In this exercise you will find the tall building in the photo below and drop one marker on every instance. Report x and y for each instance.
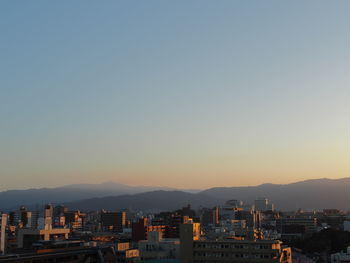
(252, 218)
(29, 219)
(139, 230)
(189, 233)
(12, 218)
(48, 212)
(23, 216)
(113, 221)
(3, 237)
(73, 219)
(210, 217)
(48, 216)
(172, 221)
(59, 210)
(34, 219)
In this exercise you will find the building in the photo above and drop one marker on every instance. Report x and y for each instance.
(125, 254)
(193, 249)
(24, 218)
(156, 248)
(141, 228)
(128, 256)
(113, 221)
(210, 217)
(3, 234)
(75, 220)
(291, 228)
(189, 233)
(26, 237)
(253, 218)
(48, 216)
(60, 221)
(59, 210)
(334, 218)
(24, 214)
(172, 222)
(33, 217)
(341, 257)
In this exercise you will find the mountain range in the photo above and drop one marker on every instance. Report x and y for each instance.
(14, 198)
(309, 194)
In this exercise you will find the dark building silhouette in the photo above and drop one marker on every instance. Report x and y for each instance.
(172, 221)
(141, 229)
(113, 221)
(210, 216)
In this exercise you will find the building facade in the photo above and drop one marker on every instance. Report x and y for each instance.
(193, 249)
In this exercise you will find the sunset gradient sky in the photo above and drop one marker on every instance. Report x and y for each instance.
(188, 94)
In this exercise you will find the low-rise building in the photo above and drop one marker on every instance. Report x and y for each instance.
(293, 228)
(158, 248)
(26, 236)
(193, 249)
(125, 254)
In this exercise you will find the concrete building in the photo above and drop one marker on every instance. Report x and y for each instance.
(26, 237)
(227, 212)
(33, 223)
(75, 220)
(113, 221)
(189, 233)
(128, 256)
(252, 218)
(48, 215)
(24, 218)
(210, 216)
(125, 254)
(59, 210)
(193, 249)
(156, 247)
(3, 236)
(172, 221)
(291, 228)
(341, 257)
(141, 228)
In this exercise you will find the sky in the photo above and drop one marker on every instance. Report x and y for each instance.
(187, 94)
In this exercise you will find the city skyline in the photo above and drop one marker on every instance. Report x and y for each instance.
(181, 94)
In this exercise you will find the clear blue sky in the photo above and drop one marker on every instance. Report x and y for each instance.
(178, 93)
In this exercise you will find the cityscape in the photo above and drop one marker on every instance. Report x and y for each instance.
(233, 231)
(183, 131)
